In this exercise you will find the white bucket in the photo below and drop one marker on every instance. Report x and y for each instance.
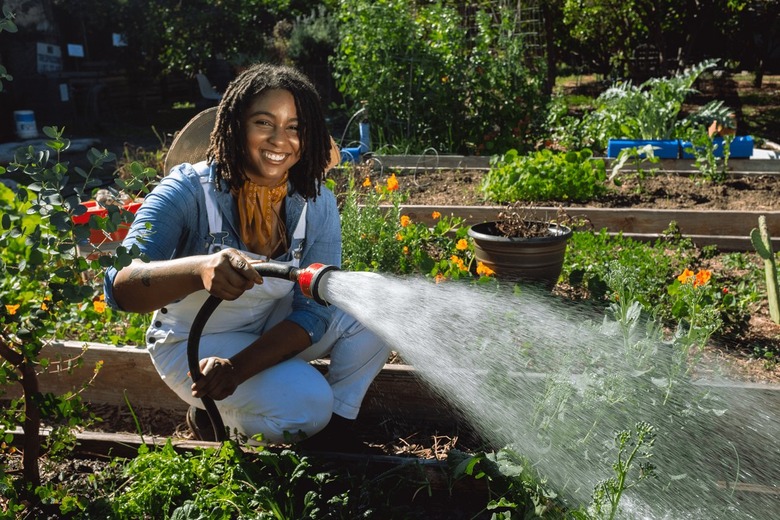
(25, 124)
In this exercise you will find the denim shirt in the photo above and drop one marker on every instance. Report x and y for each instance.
(173, 223)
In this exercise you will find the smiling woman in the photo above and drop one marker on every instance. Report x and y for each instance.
(257, 197)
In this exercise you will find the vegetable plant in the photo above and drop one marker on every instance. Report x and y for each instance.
(545, 175)
(651, 110)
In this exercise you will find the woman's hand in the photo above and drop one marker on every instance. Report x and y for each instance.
(228, 273)
(219, 379)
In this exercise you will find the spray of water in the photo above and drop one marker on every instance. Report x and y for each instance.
(555, 382)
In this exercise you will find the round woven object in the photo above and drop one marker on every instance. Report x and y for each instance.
(191, 142)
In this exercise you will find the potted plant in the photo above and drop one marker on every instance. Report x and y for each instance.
(520, 247)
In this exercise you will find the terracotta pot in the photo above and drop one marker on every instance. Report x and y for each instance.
(536, 259)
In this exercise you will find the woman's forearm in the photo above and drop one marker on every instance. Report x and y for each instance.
(280, 343)
(148, 286)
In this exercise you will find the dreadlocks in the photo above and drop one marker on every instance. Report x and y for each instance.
(227, 148)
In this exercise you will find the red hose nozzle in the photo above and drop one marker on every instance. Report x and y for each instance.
(310, 278)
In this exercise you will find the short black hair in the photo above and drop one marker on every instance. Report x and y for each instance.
(227, 148)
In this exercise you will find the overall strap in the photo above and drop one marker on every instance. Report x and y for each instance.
(217, 237)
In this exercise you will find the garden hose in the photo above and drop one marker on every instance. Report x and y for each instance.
(310, 281)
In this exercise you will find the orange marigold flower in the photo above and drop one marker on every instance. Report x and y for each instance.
(440, 278)
(44, 305)
(406, 250)
(462, 244)
(436, 215)
(12, 309)
(405, 220)
(702, 277)
(685, 276)
(459, 262)
(367, 182)
(399, 237)
(484, 270)
(99, 304)
(392, 183)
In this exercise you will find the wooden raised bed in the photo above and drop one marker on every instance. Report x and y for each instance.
(397, 391)
(728, 230)
(127, 372)
(737, 167)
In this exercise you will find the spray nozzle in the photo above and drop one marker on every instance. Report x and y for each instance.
(309, 279)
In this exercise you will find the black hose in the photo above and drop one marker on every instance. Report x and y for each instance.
(270, 269)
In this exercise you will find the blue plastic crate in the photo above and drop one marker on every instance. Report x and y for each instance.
(663, 148)
(741, 147)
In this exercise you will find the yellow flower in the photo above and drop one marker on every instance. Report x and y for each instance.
(686, 274)
(484, 270)
(462, 244)
(399, 237)
(44, 306)
(367, 182)
(436, 215)
(405, 220)
(406, 250)
(455, 259)
(392, 183)
(99, 304)
(12, 309)
(702, 277)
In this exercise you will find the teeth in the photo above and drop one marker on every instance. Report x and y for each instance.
(275, 156)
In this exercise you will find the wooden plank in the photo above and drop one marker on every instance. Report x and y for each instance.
(729, 230)
(737, 167)
(127, 370)
(397, 391)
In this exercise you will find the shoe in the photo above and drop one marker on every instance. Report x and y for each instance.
(199, 423)
(339, 436)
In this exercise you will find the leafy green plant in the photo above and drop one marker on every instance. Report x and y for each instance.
(435, 78)
(220, 483)
(637, 156)
(545, 175)
(43, 283)
(633, 460)
(651, 110)
(704, 147)
(377, 236)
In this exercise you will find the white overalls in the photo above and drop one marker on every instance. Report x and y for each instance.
(289, 397)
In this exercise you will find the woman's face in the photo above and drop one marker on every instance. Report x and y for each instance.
(272, 141)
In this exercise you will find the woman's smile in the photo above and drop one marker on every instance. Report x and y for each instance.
(272, 140)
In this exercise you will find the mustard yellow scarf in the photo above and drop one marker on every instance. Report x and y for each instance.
(259, 210)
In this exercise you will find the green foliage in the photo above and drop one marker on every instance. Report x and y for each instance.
(651, 110)
(376, 236)
(606, 34)
(704, 147)
(634, 452)
(637, 156)
(513, 483)
(221, 484)
(45, 284)
(432, 78)
(762, 242)
(545, 175)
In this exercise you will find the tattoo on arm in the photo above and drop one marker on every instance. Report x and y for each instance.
(142, 274)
